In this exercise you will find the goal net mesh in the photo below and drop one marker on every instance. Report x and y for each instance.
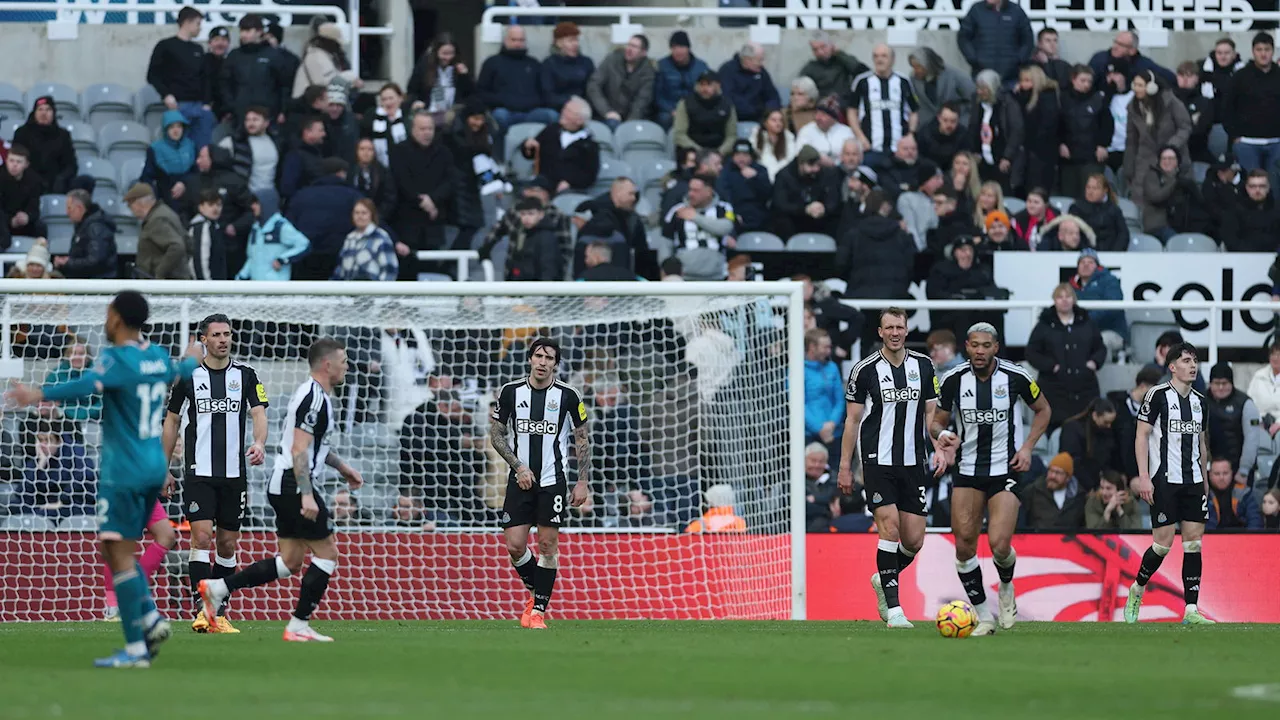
(687, 399)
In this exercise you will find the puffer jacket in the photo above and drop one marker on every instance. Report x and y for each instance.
(1059, 353)
(93, 247)
(1111, 233)
(275, 239)
(882, 259)
(563, 77)
(999, 39)
(1103, 285)
(673, 82)
(823, 397)
(1143, 142)
(1086, 125)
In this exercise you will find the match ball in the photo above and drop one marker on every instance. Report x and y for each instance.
(957, 619)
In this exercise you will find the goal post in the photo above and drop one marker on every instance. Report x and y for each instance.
(695, 393)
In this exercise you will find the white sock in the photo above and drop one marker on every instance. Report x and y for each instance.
(150, 619)
(984, 610)
(296, 625)
(1191, 608)
(227, 562)
(136, 648)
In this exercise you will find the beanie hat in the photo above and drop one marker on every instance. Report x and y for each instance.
(330, 31)
(831, 106)
(1063, 462)
(39, 254)
(337, 93)
(1222, 371)
(808, 154)
(679, 38)
(994, 216)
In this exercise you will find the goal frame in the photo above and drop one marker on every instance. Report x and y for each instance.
(793, 291)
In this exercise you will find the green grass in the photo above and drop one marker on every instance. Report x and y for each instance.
(646, 670)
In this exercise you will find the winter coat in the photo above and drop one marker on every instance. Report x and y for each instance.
(706, 124)
(1143, 142)
(563, 77)
(1251, 226)
(535, 254)
(999, 39)
(750, 198)
(823, 397)
(1126, 517)
(164, 248)
(578, 164)
(18, 196)
(341, 136)
(950, 85)
(465, 148)
(1042, 511)
(368, 255)
(1007, 130)
(1040, 124)
(1103, 285)
(237, 201)
(949, 281)
(53, 157)
(93, 247)
(1072, 385)
(300, 168)
(319, 67)
(1129, 67)
(421, 84)
(511, 80)
(752, 94)
(1252, 103)
(1217, 80)
(255, 75)
(322, 212)
(835, 75)
(419, 170)
(607, 220)
(1244, 504)
(1090, 460)
(169, 163)
(1220, 200)
(1086, 125)
(69, 478)
(375, 183)
(673, 82)
(615, 89)
(792, 192)
(1111, 232)
(1030, 229)
(1200, 110)
(951, 228)
(1173, 201)
(275, 239)
(208, 249)
(939, 148)
(882, 259)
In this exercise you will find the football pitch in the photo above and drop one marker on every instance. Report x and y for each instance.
(649, 670)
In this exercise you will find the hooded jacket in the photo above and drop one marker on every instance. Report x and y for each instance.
(511, 80)
(169, 162)
(1103, 285)
(275, 239)
(93, 247)
(1049, 235)
(53, 157)
(823, 396)
(1252, 103)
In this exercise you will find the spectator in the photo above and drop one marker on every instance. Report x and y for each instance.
(804, 104)
(881, 253)
(903, 172)
(1173, 202)
(640, 512)
(37, 265)
(566, 152)
(180, 74)
(1221, 192)
(1066, 350)
(1126, 60)
(59, 480)
(1042, 117)
(510, 84)
(441, 80)
(208, 250)
(1217, 70)
(1028, 223)
(1047, 57)
(367, 253)
(50, 154)
(1094, 282)
(826, 133)
(1271, 510)
(996, 35)
(1264, 391)
(1197, 98)
(1055, 502)
(672, 270)
(774, 144)
(936, 85)
(273, 35)
(1232, 505)
(255, 153)
(952, 226)
(426, 179)
(1250, 110)
(274, 245)
(341, 128)
(853, 194)
(1156, 119)
(942, 351)
(322, 212)
(471, 141)
(214, 58)
(842, 323)
(1110, 506)
(916, 205)
(535, 249)
(1235, 427)
(824, 404)
(1100, 212)
(1160, 361)
(93, 246)
(163, 243)
(255, 74)
(961, 277)
(347, 512)
(566, 70)
(19, 198)
(215, 173)
(701, 228)
(1127, 404)
(622, 88)
(1087, 128)
(996, 132)
(706, 119)
(720, 516)
(748, 85)
(832, 70)
(509, 224)
(614, 214)
(806, 196)
(990, 198)
(964, 180)
(1067, 233)
(171, 160)
(883, 107)
(1090, 439)
(676, 77)
(747, 187)
(1119, 95)
(373, 180)
(325, 63)
(75, 362)
(943, 137)
(1253, 225)
(600, 267)
(851, 157)
(387, 126)
(849, 514)
(999, 236)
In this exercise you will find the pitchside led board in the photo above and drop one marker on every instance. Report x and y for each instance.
(1152, 276)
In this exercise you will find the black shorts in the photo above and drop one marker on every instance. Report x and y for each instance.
(222, 500)
(992, 486)
(900, 485)
(290, 525)
(541, 506)
(1178, 503)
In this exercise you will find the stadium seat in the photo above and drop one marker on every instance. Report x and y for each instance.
(66, 100)
(1144, 243)
(1191, 242)
(1145, 326)
(84, 138)
(79, 523)
(149, 107)
(60, 231)
(650, 172)
(1062, 203)
(610, 168)
(745, 129)
(53, 205)
(102, 171)
(811, 242)
(8, 127)
(1014, 205)
(567, 203)
(122, 141)
(516, 135)
(604, 138)
(105, 103)
(110, 202)
(127, 241)
(760, 242)
(642, 137)
(21, 244)
(1132, 213)
(27, 523)
(131, 170)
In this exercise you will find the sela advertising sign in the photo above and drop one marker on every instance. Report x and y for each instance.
(918, 14)
(1151, 276)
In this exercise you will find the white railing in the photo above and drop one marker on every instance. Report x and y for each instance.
(69, 11)
(463, 258)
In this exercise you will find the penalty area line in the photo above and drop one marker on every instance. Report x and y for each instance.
(1267, 692)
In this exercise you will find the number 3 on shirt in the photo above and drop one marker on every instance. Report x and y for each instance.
(151, 410)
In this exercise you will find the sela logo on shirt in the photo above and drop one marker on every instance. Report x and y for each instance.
(217, 405)
(900, 394)
(536, 427)
(1184, 427)
(984, 417)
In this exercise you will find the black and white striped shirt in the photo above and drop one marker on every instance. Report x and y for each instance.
(884, 107)
(386, 133)
(310, 411)
(690, 234)
(893, 419)
(988, 416)
(214, 405)
(541, 422)
(1176, 426)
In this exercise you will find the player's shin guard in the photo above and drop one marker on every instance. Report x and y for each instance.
(199, 569)
(544, 581)
(1192, 567)
(314, 582)
(1006, 565)
(1151, 560)
(887, 565)
(224, 568)
(971, 580)
(905, 557)
(259, 573)
(526, 569)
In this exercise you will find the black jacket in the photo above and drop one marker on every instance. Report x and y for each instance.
(792, 192)
(578, 164)
(465, 146)
(607, 219)
(750, 198)
(53, 157)
(178, 68)
(376, 183)
(1090, 459)
(1107, 221)
(1201, 110)
(93, 247)
(950, 228)
(420, 83)
(535, 254)
(237, 201)
(511, 79)
(322, 212)
(1006, 125)
(19, 196)
(255, 75)
(939, 148)
(299, 168)
(1126, 432)
(1220, 199)
(213, 70)
(996, 38)
(1040, 136)
(419, 170)
(1252, 103)
(948, 281)
(1086, 125)
(1070, 386)
(708, 119)
(1252, 227)
(883, 255)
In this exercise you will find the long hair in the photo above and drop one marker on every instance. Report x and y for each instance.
(1106, 186)
(1097, 406)
(980, 215)
(432, 71)
(972, 183)
(762, 136)
(1040, 83)
(334, 48)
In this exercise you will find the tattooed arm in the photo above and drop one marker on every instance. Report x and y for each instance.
(582, 444)
(498, 438)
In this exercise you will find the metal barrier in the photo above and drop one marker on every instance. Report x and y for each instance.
(463, 258)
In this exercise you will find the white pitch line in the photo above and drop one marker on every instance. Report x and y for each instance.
(1268, 692)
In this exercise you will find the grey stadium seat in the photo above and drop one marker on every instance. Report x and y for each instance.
(106, 102)
(12, 102)
(21, 244)
(1191, 242)
(568, 202)
(103, 171)
(759, 242)
(110, 202)
(610, 168)
(649, 172)
(1062, 203)
(811, 242)
(1014, 205)
(53, 205)
(59, 235)
(641, 137)
(83, 137)
(127, 241)
(149, 107)
(746, 128)
(131, 170)
(1146, 325)
(8, 127)
(1144, 243)
(29, 523)
(65, 99)
(121, 141)
(1132, 213)
(79, 523)
(603, 136)
(516, 135)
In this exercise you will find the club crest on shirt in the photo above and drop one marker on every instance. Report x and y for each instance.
(913, 376)
(553, 405)
(1195, 406)
(234, 386)
(1001, 392)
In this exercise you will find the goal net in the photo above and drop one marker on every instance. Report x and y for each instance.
(689, 390)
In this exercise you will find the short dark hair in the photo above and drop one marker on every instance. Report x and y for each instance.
(20, 150)
(333, 166)
(1257, 173)
(210, 196)
(644, 41)
(1148, 376)
(322, 349)
(132, 308)
(1080, 69)
(1046, 31)
(940, 337)
(1225, 41)
(251, 22)
(391, 86)
(259, 110)
(1179, 350)
(308, 122)
(948, 193)
(1263, 38)
(894, 311)
(544, 342)
(203, 328)
(672, 266)
(1189, 69)
(313, 93)
(1275, 349)
(1168, 338)
(187, 14)
(706, 179)
(1219, 458)
(953, 106)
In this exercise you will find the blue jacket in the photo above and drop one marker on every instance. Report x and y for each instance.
(751, 93)
(998, 39)
(750, 198)
(511, 80)
(69, 478)
(823, 396)
(1103, 286)
(563, 77)
(322, 212)
(1102, 59)
(275, 239)
(1245, 505)
(673, 82)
